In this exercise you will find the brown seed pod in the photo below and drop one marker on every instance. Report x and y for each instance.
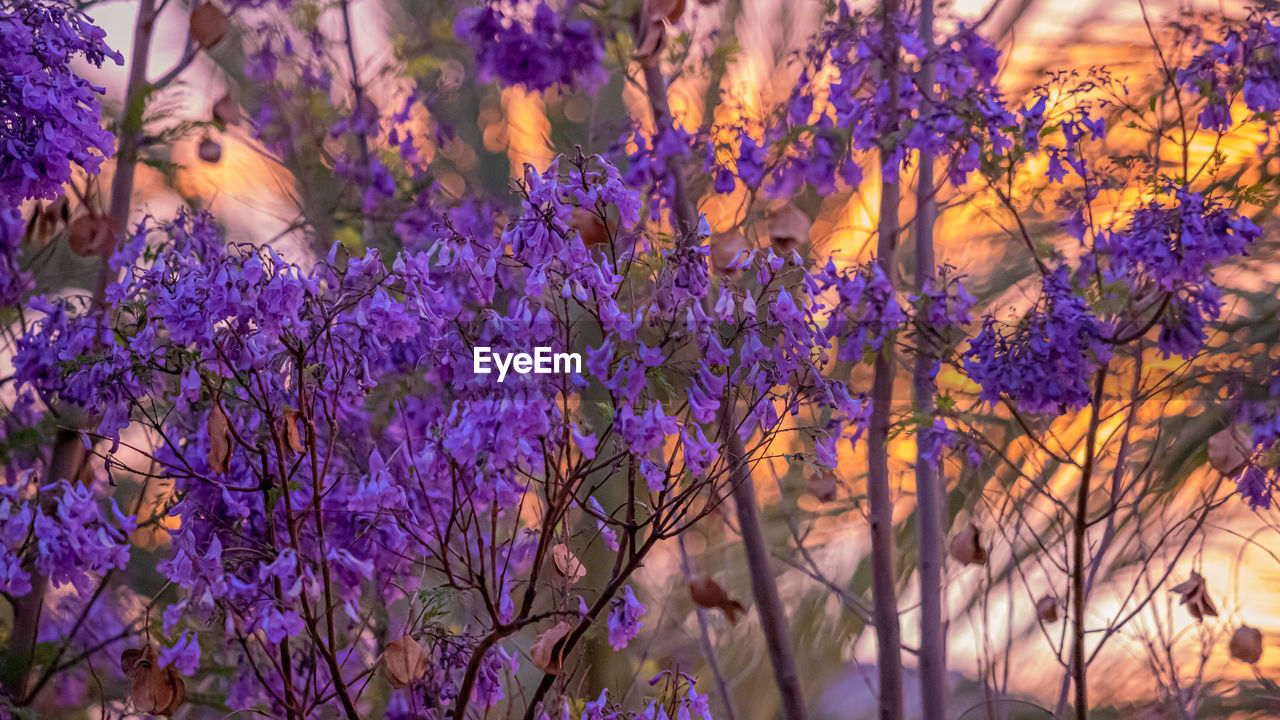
(208, 25)
(1229, 450)
(788, 228)
(567, 564)
(547, 651)
(291, 437)
(966, 546)
(824, 485)
(89, 235)
(589, 225)
(707, 593)
(1195, 595)
(405, 660)
(725, 247)
(1246, 644)
(660, 10)
(152, 689)
(210, 150)
(650, 42)
(226, 111)
(1047, 609)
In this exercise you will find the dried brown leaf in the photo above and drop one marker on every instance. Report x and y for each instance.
(1195, 595)
(707, 593)
(547, 651)
(208, 25)
(220, 446)
(89, 235)
(405, 660)
(566, 563)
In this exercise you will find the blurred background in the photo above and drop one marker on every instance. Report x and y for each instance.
(1004, 661)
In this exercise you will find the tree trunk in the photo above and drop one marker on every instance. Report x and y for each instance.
(879, 502)
(930, 482)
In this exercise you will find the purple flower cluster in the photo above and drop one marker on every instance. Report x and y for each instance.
(14, 281)
(528, 43)
(959, 115)
(865, 314)
(1174, 248)
(63, 523)
(49, 116)
(1046, 363)
(1260, 477)
(265, 384)
(624, 619)
(1245, 61)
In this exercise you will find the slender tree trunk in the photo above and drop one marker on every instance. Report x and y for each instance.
(930, 482)
(1079, 664)
(879, 501)
(764, 587)
(67, 455)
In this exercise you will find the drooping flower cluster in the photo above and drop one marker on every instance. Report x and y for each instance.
(64, 526)
(1046, 363)
(50, 117)
(528, 43)
(1258, 479)
(14, 281)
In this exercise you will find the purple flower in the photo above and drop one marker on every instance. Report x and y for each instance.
(184, 655)
(750, 161)
(624, 619)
